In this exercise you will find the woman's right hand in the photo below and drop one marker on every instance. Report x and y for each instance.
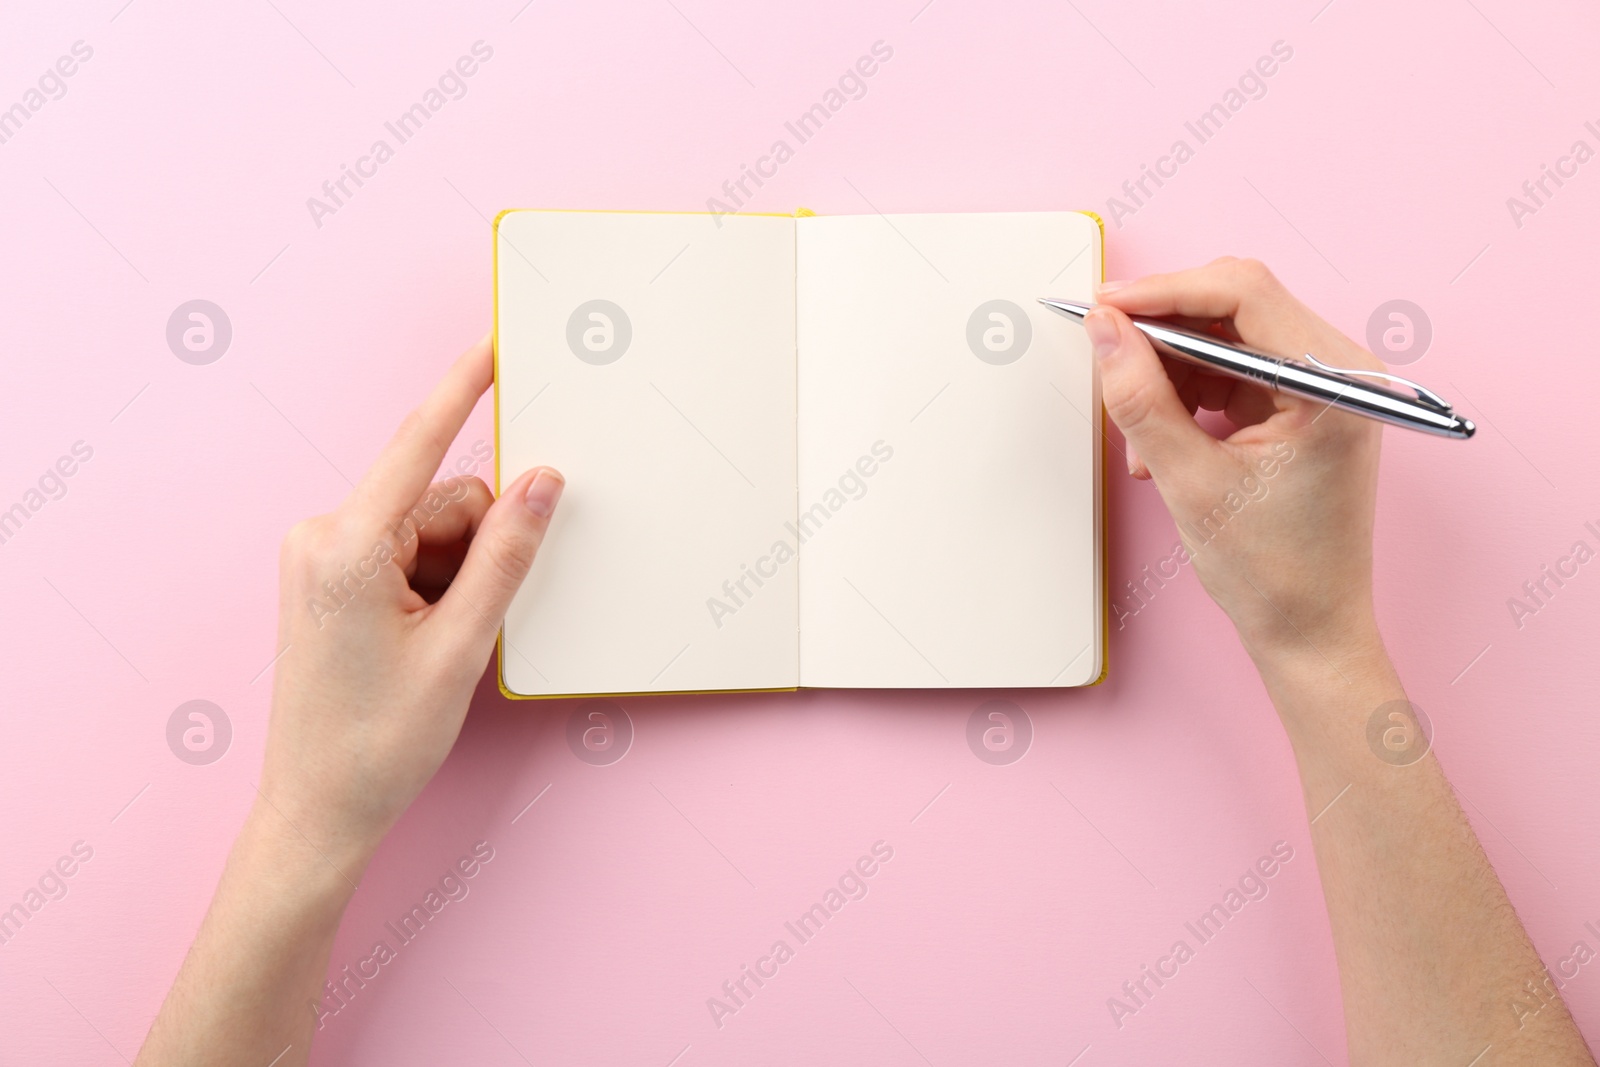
(1276, 517)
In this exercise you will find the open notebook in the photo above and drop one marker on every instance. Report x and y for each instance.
(847, 451)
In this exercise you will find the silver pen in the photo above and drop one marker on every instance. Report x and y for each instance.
(1313, 379)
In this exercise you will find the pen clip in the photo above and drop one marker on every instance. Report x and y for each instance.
(1424, 394)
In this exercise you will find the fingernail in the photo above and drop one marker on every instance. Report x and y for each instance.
(1111, 287)
(1104, 335)
(544, 491)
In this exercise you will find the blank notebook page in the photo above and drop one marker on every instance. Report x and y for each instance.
(970, 556)
(670, 409)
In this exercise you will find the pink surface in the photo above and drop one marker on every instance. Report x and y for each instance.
(177, 165)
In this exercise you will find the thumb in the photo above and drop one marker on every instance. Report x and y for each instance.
(501, 553)
(1140, 398)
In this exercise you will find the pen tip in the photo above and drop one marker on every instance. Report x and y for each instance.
(1070, 308)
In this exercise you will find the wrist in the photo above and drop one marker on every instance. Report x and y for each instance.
(1306, 644)
(1327, 693)
(337, 815)
(308, 869)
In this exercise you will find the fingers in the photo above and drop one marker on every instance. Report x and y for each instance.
(435, 567)
(1244, 403)
(1222, 328)
(1242, 292)
(501, 553)
(1248, 405)
(466, 501)
(448, 513)
(1205, 294)
(407, 464)
(1136, 465)
(1213, 391)
(1142, 400)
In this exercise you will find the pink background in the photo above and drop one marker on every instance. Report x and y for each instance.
(177, 166)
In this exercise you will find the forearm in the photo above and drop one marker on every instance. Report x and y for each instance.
(1432, 957)
(244, 992)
